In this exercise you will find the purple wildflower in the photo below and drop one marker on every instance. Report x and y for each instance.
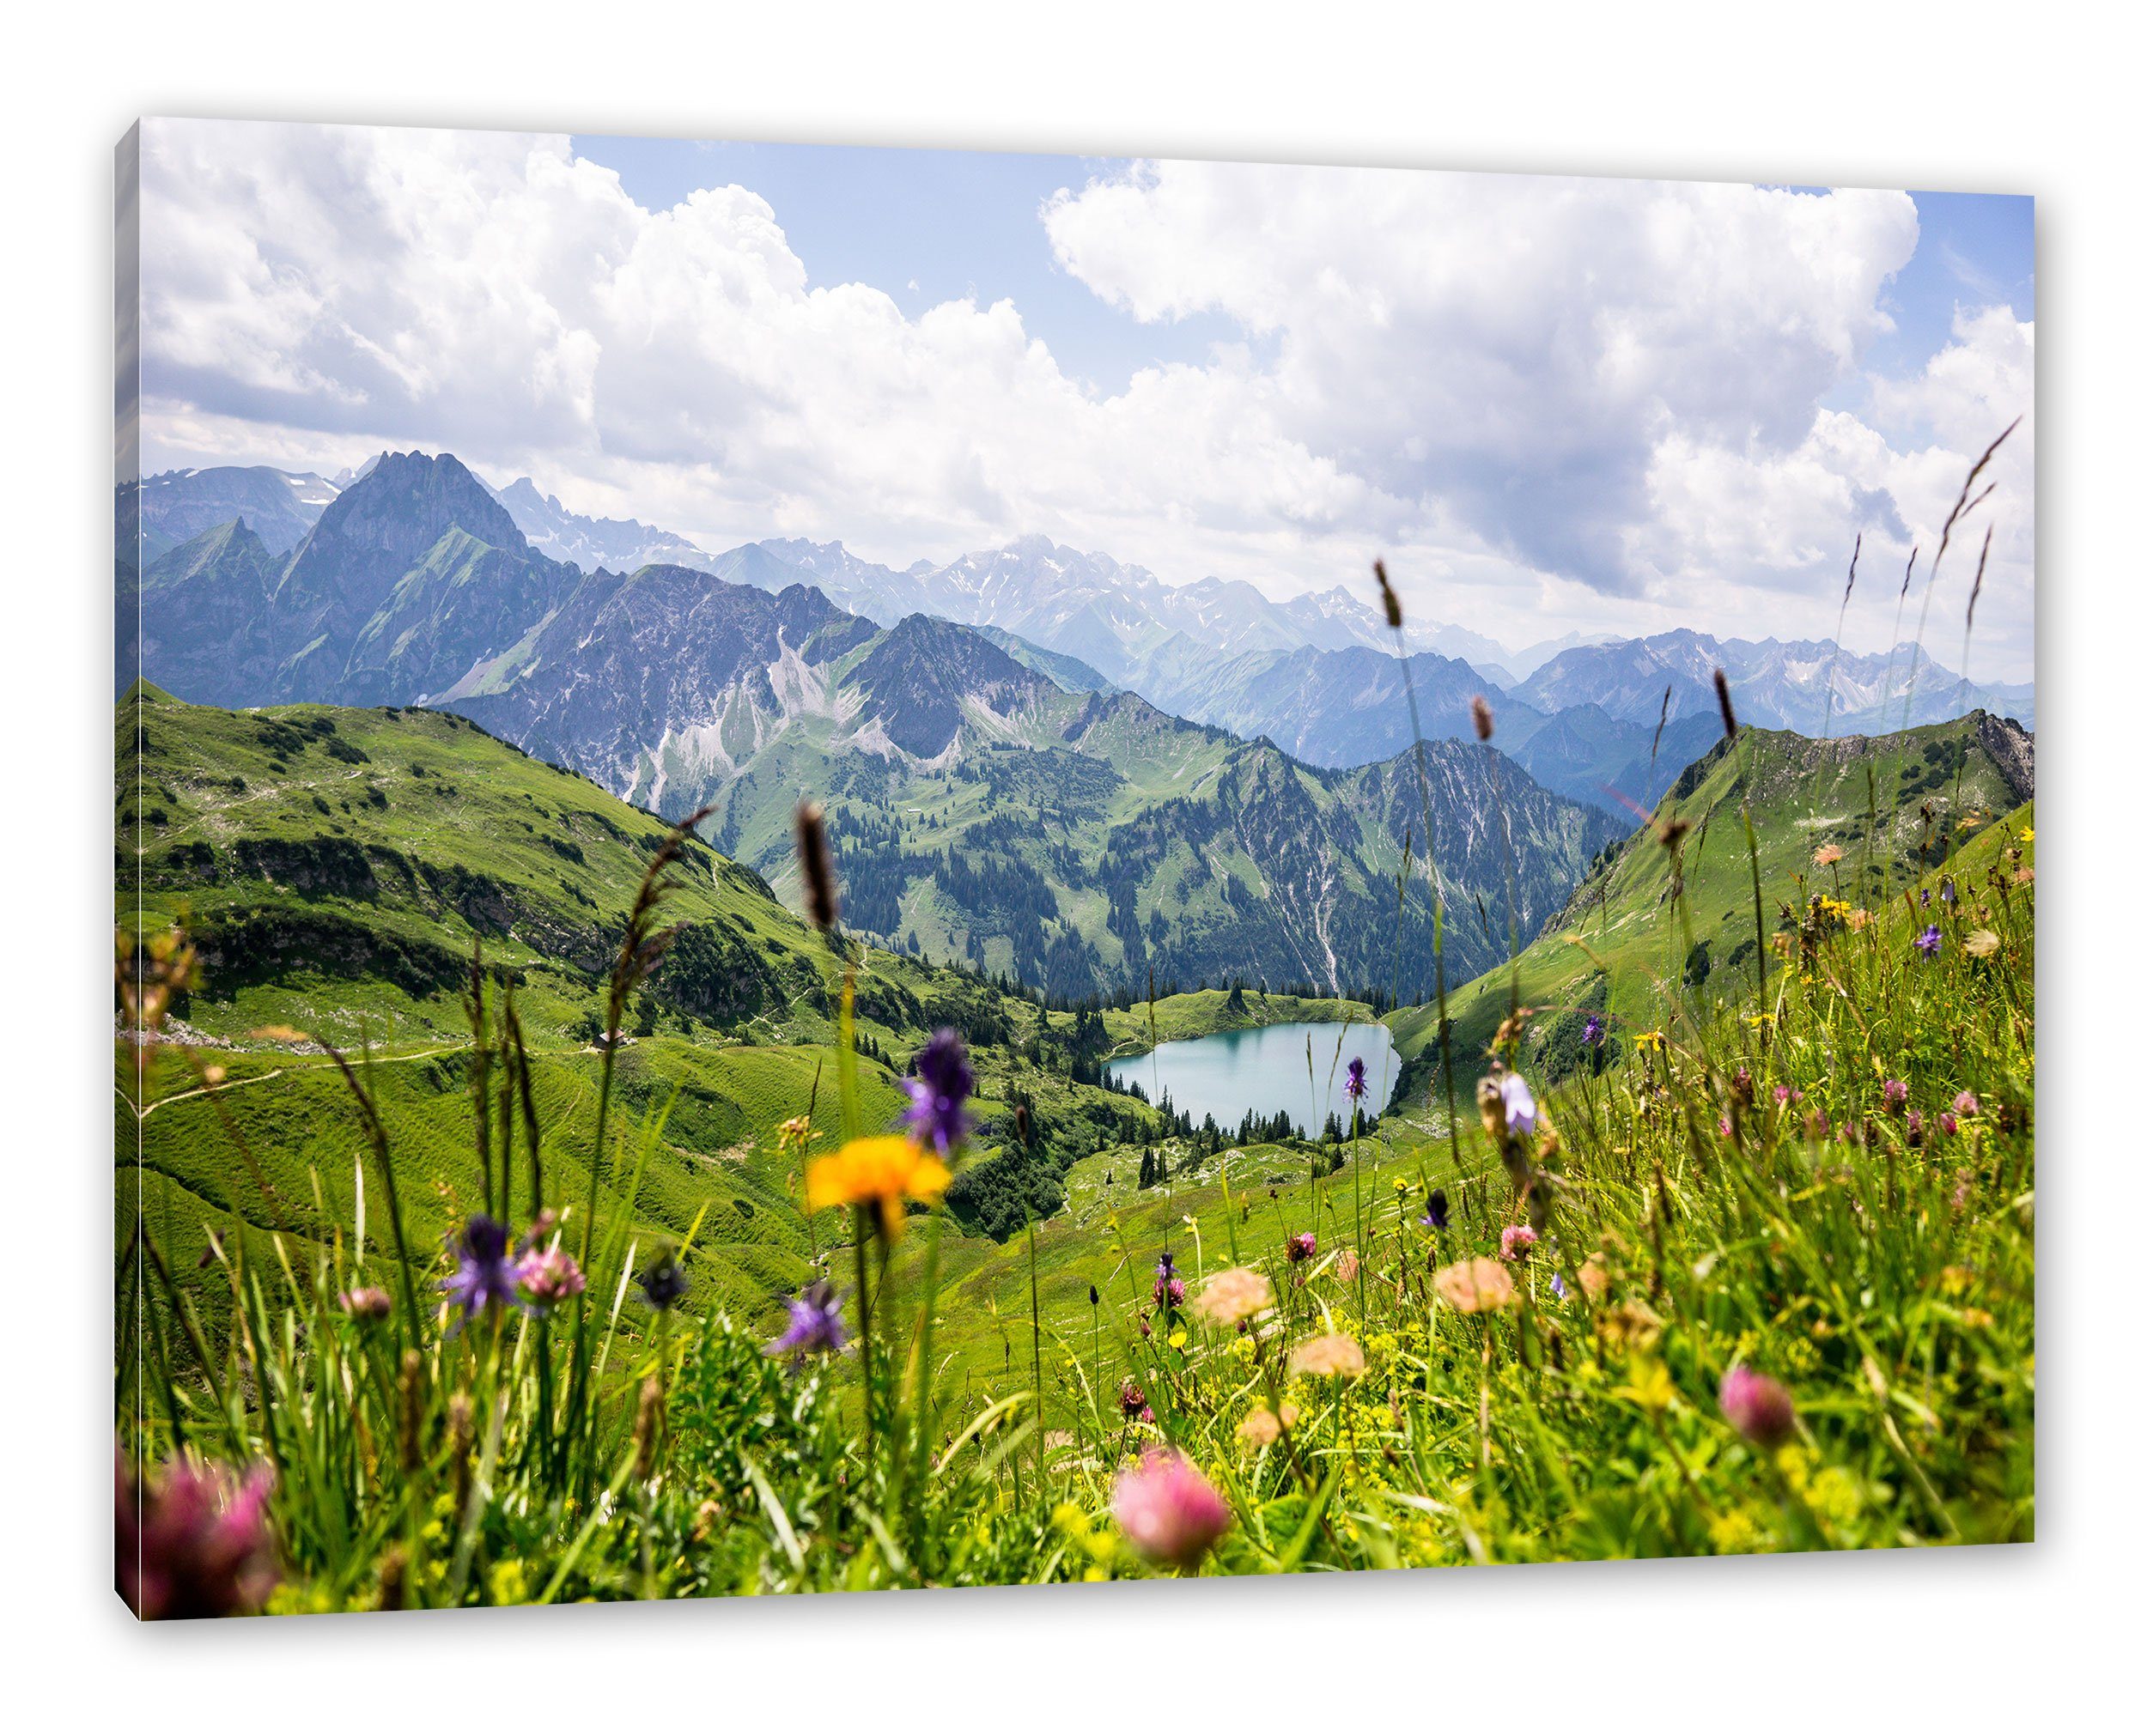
(943, 1084)
(1558, 1285)
(816, 1323)
(1435, 1218)
(1930, 941)
(1965, 1104)
(1520, 1105)
(1923, 898)
(1591, 1031)
(1947, 1124)
(1515, 1241)
(194, 1542)
(1301, 1247)
(1915, 1133)
(1355, 1085)
(1758, 1406)
(1945, 890)
(485, 1278)
(1897, 1094)
(665, 1282)
(1169, 1287)
(1132, 1401)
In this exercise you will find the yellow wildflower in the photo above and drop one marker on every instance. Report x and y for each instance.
(880, 1172)
(2027, 834)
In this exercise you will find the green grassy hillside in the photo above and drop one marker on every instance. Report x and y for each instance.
(1754, 1288)
(337, 867)
(1655, 928)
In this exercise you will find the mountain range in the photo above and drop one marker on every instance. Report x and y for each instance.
(1041, 759)
(1604, 721)
(986, 808)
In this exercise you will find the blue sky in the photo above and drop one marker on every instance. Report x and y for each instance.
(927, 226)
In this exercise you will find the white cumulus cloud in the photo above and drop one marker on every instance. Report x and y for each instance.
(1550, 402)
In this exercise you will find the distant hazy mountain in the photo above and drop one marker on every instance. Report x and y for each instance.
(622, 545)
(1069, 672)
(1776, 684)
(1329, 707)
(279, 506)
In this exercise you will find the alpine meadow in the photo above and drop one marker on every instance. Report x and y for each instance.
(1480, 1010)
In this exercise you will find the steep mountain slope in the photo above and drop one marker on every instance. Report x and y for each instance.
(205, 612)
(1654, 932)
(925, 676)
(411, 575)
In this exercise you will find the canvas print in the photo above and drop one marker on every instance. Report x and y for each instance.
(849, 868)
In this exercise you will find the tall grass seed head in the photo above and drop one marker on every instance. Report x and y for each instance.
(1729, 710)
(816, 867)
(1391, 603)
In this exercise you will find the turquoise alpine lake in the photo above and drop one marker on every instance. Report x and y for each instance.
(1264, 1071)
